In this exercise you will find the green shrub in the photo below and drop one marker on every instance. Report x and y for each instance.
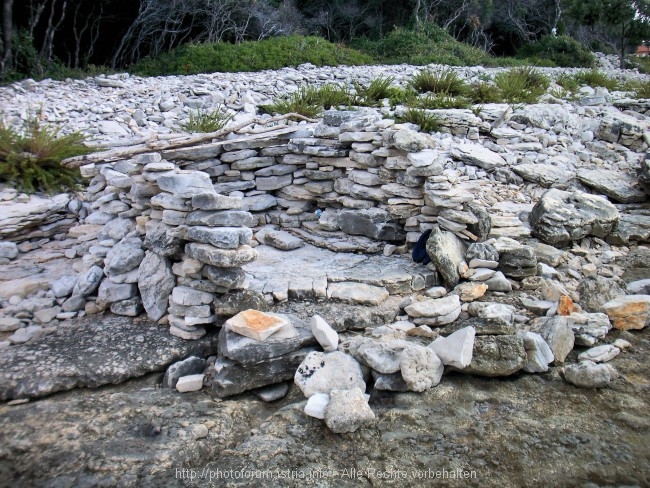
(522, 85)
(30, 157)
(641, 89)
(568, 82)
(273, 53)
(401, 96)
(301, 102)
(595, 78)
(206, 121)
(331, 95)
(563, 51)
(485, 92)
(377, 90)
(427, 122)
(446, 82)
(430, 44)
(441, 101)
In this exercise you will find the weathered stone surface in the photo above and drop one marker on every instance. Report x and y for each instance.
(186, 184)
(597, 290)
(221, 237)
(347, 410)
(359, 293)
(193, 382)
(259, 325)
(282, 240)
(123, 257)
(317, 405)
(222, 218)
(477, 155)
(382, 356)
(323, 372)
(497, 356)
(110, 350)
(222, 258)
(620, 127)
(215, 201)
(408, 140)
(588, 374)
(615, 184)
(247, 350)
(226, 278)
(447, 252)
(588, 328)
(600, 354)
(515, 260)
(437, 311)
(559, 336)
(161, 239)
(538, 353)
(110, 292)
(184, 295)
(546, 175)
(231, 377)
(629, 312)
(562, 216)
(237, 301)
(155, 282)
(88, 282)
(131, 307)
(420, 367)
(327, 337)
(374, 223)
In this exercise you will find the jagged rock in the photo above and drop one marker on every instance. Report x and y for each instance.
(615, 184)
(483, 225)
(600, 354)
(222, 218)
(456, 349)
(282, 240)
(437, 311)
(515, 260)
(374, 223)
(622, 128)
(347, 410)
(161, 239)
(546, 175)
(500, 355)
(559, 336)
(131, 307)
(88, 282)
(538, 353)
(123, 257)
(447, 253)
(221, 237)
(563, 216)
(237, 301)
(588, 374)
(644, 174)
(327, 337)
(63, 286)
(155, 282)
(223, 258)
(226, 278)
(477, 155)
(110, 292)
(629, 311)
(597, 290)
(482, 251)
(420, 367)
(588, 328)
(323, 372)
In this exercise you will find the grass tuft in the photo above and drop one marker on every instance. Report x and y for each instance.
(207, 121)
(522, 85)
(30, 157)
(446, 82)
(378, 89)
(426, 121)
(595, 78)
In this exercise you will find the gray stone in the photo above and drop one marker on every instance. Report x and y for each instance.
(272, 393)
(600, 354)
(316, 405)
(226, 278)
(237, 301)
(639, 287)
(183, 295)
(588, 328)
(615, 184)
(357, 293)
(447, 252)
(74, 304)
(408, 140)
(420, 368)
(477, 155)
(214, 201)
(155, 282)
(25, 334)
(436, 311)
(374, 223)
(63, 286)
(587, 374)
(246, 350)
(538, 353)
(88, 282)
(560, 216)
(597, 290)
(482, 251)
(189, 366)
(483, 225)
(221, 237)
(389, 382)
(9, 324)
(123, 256)
(222, 258)
(323, 372)
(224, 218)
(161, 239)
(231, 377)
(546, 175)
(46, 315)
(8, 250)
(347, 410)
(188, 383)
(122, 348)
(383, 357)
(186, 184)
(110, 292)
(515, 260)
(130, 308)
(271, 183)
(259, 203)
(117, 229)
(500, 355)
(559, 336)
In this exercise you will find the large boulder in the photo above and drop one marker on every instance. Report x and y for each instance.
(447, 252)
(560, 217)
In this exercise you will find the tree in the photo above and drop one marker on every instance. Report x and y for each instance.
(619, 23)
(6, 37)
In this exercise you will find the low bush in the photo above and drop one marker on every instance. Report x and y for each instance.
(206, 121)
(563, 51)
(273, 53)
(595, 78)
(440, 101)
(426, 121)
(444, 82)
(485, 92)
(378, 89)
(521, 85)
(30, 157)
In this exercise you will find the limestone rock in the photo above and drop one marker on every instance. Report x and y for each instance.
(456, 349)
(88, 282)
(324, 372)
(155, 282)
(629, 312)
(374, 223)
(477, 155)
(347, 410)
(559, 336)
(223, 258)
(186, 367)
(357, 293)
(615, 184)
(437, 311)
(283, 240)
(236, 301)
(597, 290)
(538, 353)
(588, 374)
(420, 368)
(327, 337)
(600, 354)
(186, 184)
(256, 325)
(447, 253)
(316, 405)
(193, 382)
(500, 355)
(563, 216)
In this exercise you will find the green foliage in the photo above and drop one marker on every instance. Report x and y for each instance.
(429, 44)
(331, 96)
(444, 82)
(274, 53)
(522, 85)
(568, 82)
(377, 90)
(562, 51)
(595, 78)
(30, 157)
(428, 122)
(485, 92)
(641, 89)
(206, 121)
(401, 96)
(440, 101)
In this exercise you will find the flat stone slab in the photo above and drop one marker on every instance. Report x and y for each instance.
(358, 293)
(615, 184)
(93, 351)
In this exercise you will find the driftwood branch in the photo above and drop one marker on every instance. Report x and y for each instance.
(155, 143)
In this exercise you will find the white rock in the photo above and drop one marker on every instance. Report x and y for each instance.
(539, 354)
(193, 382)
(456, 349)
(600, 354)
(323, 372)
(317, 405)
(327, 337)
